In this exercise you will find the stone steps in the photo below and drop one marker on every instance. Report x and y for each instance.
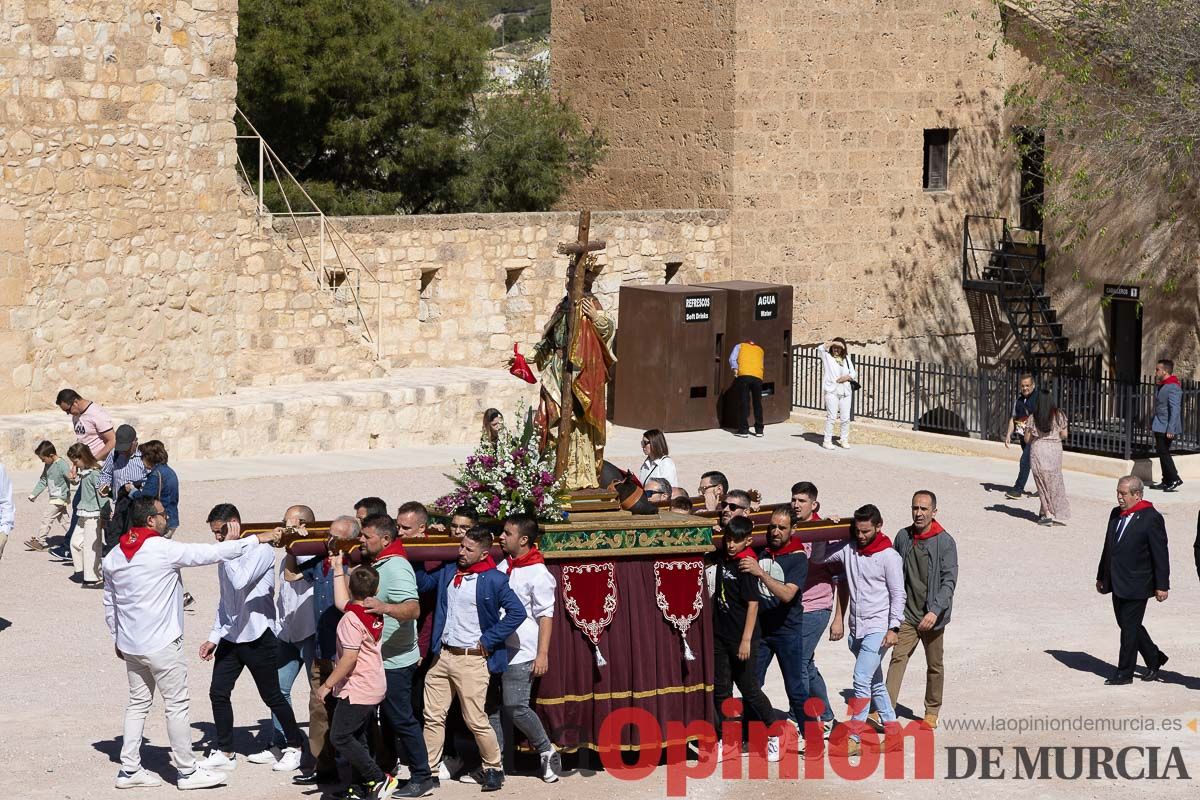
(420, 406)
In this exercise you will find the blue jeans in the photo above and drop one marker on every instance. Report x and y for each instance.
(1023, 469)
(291, 657)
(397, 710)
(868, 677)
(812, 628)
(787, 646)
(516, 683)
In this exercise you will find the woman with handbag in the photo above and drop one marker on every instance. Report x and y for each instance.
(160, 482)
(839, 381)
(91, 510)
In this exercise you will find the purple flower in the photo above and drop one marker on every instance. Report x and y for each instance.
(493, 507)
(488, 462)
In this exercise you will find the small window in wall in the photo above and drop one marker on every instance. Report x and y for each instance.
(1031, 149)
(425, 304)
(935, 176)
(511, 276)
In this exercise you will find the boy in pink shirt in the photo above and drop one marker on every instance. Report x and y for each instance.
(359, 684)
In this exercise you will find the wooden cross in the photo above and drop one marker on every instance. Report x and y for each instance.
(578, 251)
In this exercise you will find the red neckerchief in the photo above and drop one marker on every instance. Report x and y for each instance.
(395, 548)
(372, 622)
(1169, 379)
(746, 553)
(880, 542)
(792, 545)
(534, 556)
(1140, 505)
(132, 542)
(325, 566)
(934, 529)
(482, 565)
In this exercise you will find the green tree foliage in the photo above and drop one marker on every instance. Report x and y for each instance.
(372, 103)
(527, 146)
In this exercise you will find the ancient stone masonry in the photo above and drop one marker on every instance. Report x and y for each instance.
(806, 120)
(463, 288)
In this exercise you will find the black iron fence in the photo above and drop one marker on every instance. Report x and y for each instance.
(1106, 417)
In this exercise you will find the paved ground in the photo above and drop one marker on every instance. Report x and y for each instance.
(1030, 639)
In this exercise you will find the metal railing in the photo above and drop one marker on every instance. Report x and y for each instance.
(324, 247)
(1105, 416)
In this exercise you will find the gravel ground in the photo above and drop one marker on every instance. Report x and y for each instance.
(1030, 639)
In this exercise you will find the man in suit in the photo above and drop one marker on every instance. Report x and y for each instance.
(1166, 423)
(1134, 567)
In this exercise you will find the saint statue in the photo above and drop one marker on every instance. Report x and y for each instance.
(592, 361)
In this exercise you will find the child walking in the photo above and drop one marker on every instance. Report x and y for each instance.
(86, 544)
(55, 472)
(359, 684)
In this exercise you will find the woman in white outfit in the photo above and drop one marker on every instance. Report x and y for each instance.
(657, 464)
(839, 372)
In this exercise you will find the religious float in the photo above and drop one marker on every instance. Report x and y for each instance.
(633, 624)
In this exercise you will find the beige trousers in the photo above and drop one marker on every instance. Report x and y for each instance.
(467, 677)
(86, 547)
(906, 643)
(165, 671)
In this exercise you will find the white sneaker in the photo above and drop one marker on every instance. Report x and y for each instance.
(267, 756)
(828, 445)
(137, 779)
(551, 765)
(829, 723)
(200, 779)
(289, 760)
(843, 444)
(451, 766)
(218, 760)
(772, 749)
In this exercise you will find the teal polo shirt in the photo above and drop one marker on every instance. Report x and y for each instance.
(398, 583)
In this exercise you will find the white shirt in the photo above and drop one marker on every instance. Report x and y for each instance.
(535, 586)
(834, 370)
(294, 608)
(462, 614)
(662, 468)
(143, 598)
(7, 510)
(247, 607)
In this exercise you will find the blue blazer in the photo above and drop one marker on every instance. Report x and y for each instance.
(492, 593)
(163, 483)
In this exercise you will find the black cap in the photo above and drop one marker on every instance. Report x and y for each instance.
(126, 436)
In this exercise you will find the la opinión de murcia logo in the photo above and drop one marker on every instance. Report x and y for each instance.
(983, 763)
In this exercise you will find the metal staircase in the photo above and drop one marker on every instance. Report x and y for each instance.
(1004, 279)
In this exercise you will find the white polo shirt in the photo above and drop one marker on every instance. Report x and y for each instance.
(536, 587)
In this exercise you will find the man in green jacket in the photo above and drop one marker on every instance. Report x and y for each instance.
(930, 575)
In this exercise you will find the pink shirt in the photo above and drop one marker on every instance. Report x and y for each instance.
(90, 424)
(366, 685)
(817, 594)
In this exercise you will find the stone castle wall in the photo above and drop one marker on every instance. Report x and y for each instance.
(118, 207)
(828, 106)
(461, 289)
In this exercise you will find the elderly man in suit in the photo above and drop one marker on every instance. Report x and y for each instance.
(1134, 567)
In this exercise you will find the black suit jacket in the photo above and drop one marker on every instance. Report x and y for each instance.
(1139, 564)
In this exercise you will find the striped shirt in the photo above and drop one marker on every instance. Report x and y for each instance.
(120, 469)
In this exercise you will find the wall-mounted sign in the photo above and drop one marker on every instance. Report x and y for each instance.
(1119, 292)
(766, 305)
(697, 308)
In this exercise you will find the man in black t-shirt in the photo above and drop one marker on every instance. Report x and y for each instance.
(735, 628)
(1022, 414)
(781, 570)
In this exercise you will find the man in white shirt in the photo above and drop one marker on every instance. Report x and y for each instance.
(243, 637)
(297, 633)
(529, 646)
(143, 607)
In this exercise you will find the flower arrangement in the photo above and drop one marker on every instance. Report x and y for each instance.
(508, 477)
